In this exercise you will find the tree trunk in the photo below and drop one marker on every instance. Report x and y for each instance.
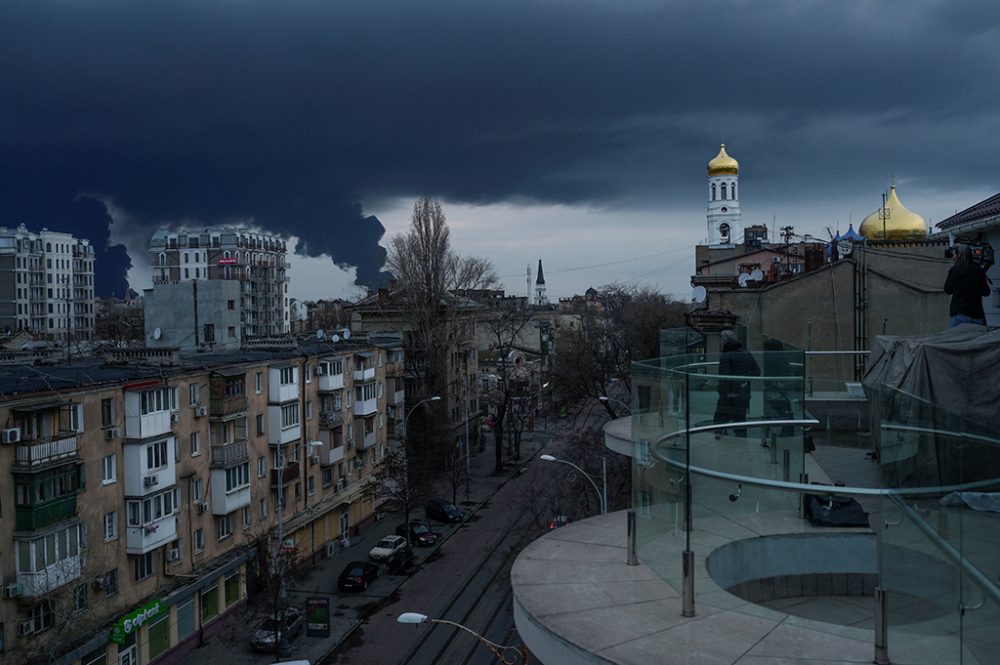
(498, 448)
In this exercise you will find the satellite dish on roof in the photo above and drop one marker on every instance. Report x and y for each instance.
(743, 279)
(334, 338)
(698, 294)
(320, 334)
(157, 333)
(757, 275)
(347, 334)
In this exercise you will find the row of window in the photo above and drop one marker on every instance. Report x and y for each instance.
(722, 190)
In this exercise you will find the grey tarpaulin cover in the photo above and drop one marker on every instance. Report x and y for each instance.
(957, 370)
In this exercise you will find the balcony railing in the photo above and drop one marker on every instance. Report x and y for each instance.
(43, 452)
(288, 474)
(32, 518)
(47, 580)
(224, 406)
(230, 454)
(330, 419)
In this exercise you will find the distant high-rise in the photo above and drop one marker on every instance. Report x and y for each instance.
(46, 283)
(255, 260)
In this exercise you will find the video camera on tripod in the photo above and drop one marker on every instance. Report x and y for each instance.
(981, 252)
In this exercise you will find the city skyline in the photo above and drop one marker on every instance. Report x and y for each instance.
(577, 134)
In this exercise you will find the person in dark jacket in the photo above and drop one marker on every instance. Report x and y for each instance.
(734, 392)
(967, 285)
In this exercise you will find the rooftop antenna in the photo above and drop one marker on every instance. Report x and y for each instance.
(698, 294)
(334, 338)
(320, 334)
(743, 279)
(346, 334)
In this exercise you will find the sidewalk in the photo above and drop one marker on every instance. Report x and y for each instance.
(231, 643)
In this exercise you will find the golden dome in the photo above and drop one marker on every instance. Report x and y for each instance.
(901, 223)
(723, 164)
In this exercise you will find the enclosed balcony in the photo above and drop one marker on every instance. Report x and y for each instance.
(331, 419)
(330, 376)
(332, 449)
(32, 518)
(148, 537)
(48, 561)
(149, 467)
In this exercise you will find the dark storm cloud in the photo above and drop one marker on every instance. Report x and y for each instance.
(294, 114)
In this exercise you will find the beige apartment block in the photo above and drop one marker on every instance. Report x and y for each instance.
(147, 494)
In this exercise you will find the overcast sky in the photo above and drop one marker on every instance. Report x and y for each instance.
(575, 131)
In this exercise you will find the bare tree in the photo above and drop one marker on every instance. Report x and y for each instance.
(429, 277)
(391, 480)
(600, 351)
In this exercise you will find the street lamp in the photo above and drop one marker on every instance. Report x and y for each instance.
(506, 654)
(602, 496)
(435, 398)
(605, 398)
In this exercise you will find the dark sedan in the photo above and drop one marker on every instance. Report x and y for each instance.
(442, 511)
(357, 575)
(418, 534)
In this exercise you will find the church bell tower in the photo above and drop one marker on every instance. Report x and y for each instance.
(725, 225)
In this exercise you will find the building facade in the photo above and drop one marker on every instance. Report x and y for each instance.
(257, 261)
(146, 490)
(46, 283)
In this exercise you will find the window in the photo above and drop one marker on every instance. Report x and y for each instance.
(143, 566)
(230, 305)
(310, 485)
(231, 589)
(80, 598)
(225, 527)
(381, 390)
(111, 582)
(185, 619)
(327, 476)
(260, 382)
(156, 455)
(238, 477)
(209, 603)
(309, 410)
(287, 376)
(157, 400)
(43, 552)
(309, 373)
(110, 526)
(210, 332)
(108, 412)
(336, 366)
(380, 419)
(194, 393)
(196, 490)
(246, 517)
(231, 331)
(195, 445)
(144, 512)
(263, 508)
(260, 424)
(733, 185)
(199, 540)
(289, 416)
(713, 191)
(298, 490)
(109, 469)
(261, 466)
(158, 636)
(43, 616)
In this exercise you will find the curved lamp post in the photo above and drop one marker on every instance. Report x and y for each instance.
(605, 398)
(406, 418)
(601, 495)
(506, 654)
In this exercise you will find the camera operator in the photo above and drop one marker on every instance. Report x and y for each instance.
(967, 285)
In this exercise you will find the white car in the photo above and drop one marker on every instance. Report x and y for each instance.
(386, 548)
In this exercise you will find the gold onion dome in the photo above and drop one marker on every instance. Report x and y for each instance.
(901, 223)
(723, 164)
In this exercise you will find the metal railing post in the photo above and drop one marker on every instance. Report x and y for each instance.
(688, 588)
(881, 634)
(633, 558)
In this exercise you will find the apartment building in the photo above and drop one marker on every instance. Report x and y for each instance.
(257, 261)
(46, 283)
(148, 488)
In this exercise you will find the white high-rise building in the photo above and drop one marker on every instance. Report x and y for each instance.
(255, 260)
(46, 283)
(725, 224)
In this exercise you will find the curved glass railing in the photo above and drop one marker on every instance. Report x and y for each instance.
(930, 557)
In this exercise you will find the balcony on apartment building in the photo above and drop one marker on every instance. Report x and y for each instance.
(288, 474)
(45, 451)
(49, 561)
(365, 407)
(364, 368)
(364, 440)
(221, 407)
(333, 448)
(329, 380)
(225, 455)
(331, 419)
(147, 537)
(149, 467)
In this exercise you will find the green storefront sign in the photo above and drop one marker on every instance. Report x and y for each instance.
(131, 621)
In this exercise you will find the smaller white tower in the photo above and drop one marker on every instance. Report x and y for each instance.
(725, 225)
(540, 297)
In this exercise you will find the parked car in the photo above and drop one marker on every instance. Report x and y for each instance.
(442, 511)
(357, 575)
(558, 521)
(267, 635)
(385, 548)
(418, 534)
(400, 561)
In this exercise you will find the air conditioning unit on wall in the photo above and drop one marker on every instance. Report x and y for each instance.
(200, 411)
(111, 433)
(149, 481)
(26, 628)
(12, 435)
(12, 590)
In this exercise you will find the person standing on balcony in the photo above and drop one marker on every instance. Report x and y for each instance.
(734, 392)
(967, 285)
